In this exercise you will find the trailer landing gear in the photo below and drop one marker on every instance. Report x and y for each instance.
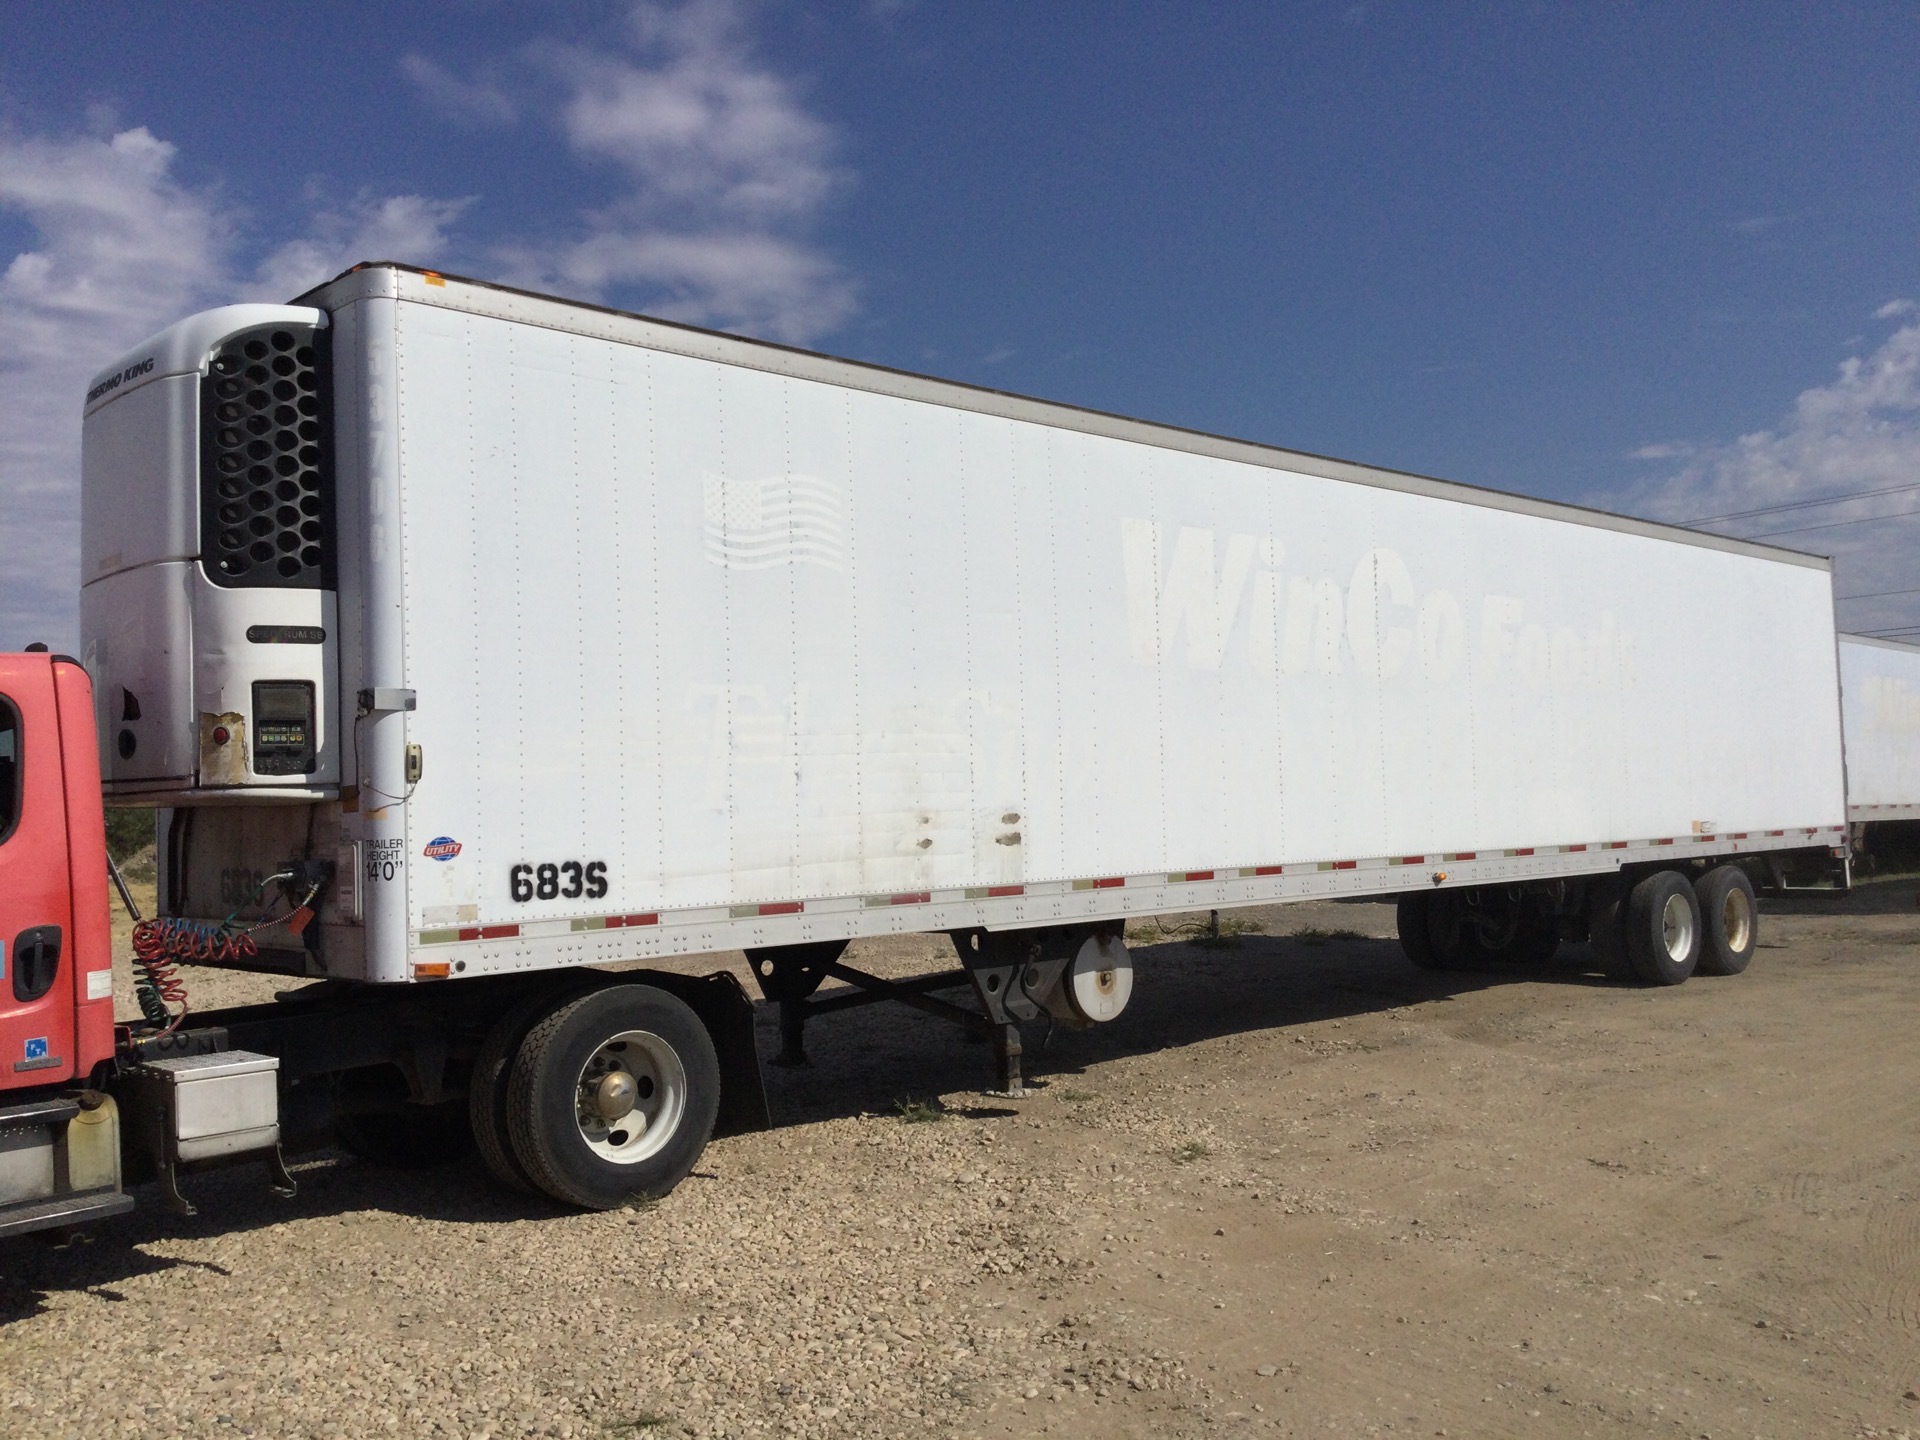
(1078, 974)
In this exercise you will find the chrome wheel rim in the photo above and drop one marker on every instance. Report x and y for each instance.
(1736, 921)
(630, 1096)
(1676, 928)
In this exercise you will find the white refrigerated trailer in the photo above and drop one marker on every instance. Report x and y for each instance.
(509, 637)
(1880, 708)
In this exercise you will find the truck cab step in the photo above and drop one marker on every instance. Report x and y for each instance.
(64, 1210)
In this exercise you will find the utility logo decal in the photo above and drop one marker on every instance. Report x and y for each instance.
(442, 847)
(37, 1048)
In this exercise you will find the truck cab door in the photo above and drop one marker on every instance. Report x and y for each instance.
(37, 1022)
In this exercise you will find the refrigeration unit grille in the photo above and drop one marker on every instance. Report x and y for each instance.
(266, 471)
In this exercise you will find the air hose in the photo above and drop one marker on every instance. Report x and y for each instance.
(161, 946)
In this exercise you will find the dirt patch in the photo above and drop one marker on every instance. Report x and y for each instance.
(1298, 1186)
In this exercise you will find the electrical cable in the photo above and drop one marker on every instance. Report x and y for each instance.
(161, 946)
(1799, 505)
(360, 773)
(1830, 525)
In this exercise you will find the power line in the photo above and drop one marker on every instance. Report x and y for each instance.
(1877, 595)
(1799, 505)
(1830, 525)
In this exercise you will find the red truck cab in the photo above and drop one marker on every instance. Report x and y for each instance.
(59, 1141)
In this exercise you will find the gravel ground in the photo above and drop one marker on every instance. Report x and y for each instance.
(1297, 1187)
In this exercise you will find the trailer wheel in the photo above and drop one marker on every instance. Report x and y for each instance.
(1663, 928)
(1454, 937)
(613, 1096)
(487, 1091)
(1730, 920)
(1415, 939)
(1436, 935)
(1536, 940)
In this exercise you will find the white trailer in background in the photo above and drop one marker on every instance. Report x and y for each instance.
(515, 636)
(1880, 706)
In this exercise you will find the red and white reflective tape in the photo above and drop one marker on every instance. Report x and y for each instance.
(1165, 880)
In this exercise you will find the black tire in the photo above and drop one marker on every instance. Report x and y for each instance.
(677, 1074)
(1456, 940)
(409, 1137)
(1607, 927)
(487, 1091)
(1663, 928)
(1729, 920)
(1411, 917)
(1537, 940)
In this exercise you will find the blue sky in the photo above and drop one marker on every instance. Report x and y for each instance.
(1657, 258)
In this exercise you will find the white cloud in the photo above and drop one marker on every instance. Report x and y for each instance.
(702, 125)
(1664, 450)
(1894, 309)
(726, 169)
(408, 228)
(122, 248)
(469, 102)
(1859, 432)
(723, 172)
(760, 283)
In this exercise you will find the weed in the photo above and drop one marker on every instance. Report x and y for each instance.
(1077, 1096)
(128, 832)
(920, 1112)
(1220, 932)
(645, 1420)
(1191, 1151)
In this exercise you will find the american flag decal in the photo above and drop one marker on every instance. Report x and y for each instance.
(779, 520)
